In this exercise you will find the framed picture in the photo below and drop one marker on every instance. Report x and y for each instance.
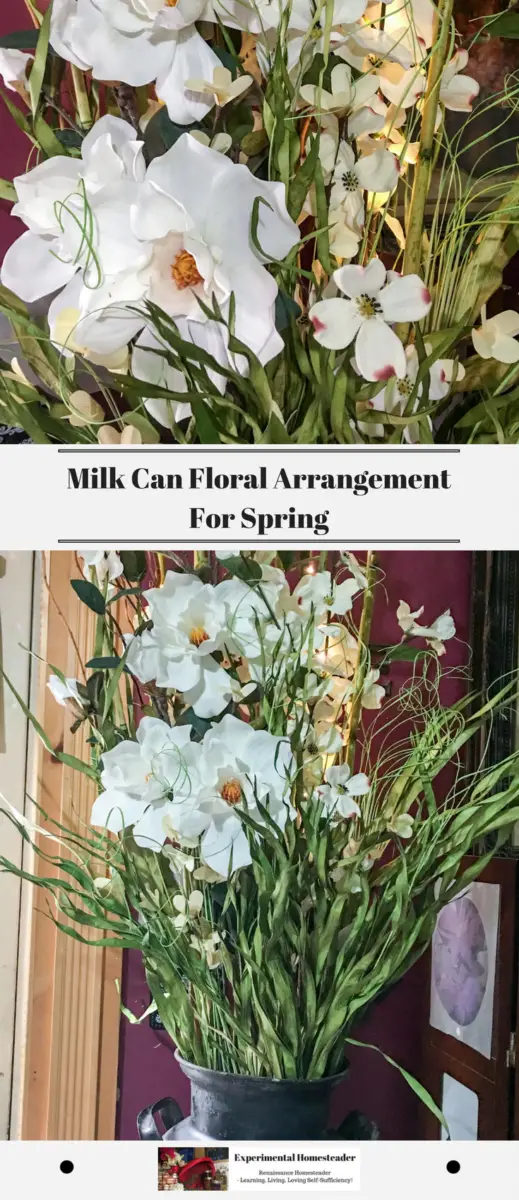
(469, 1042)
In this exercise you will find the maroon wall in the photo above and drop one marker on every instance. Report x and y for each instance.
(438, 579)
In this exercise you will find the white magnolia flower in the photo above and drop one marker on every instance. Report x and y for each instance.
(376, 172)
(319, 594)
(249, 611)
(189, 625)
(106, 565)
(139, 42)
(441, 630)
(337, 793)
(65, 691)
(146, 781)
(458, 91)
(394, 397)
(79, 235)
(365, 317)
(237, 767)
(14, 66)
(199, 250)
(372, 691)
(221, 86)
(496, 337)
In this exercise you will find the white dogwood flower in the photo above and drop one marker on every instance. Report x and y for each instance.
(401, 87)
(402, 825)
(376, 172)
(394, 397)
(321, 595)
(221, 86)
(139, 42)
(496, 337)
(457, 91)
(365, 317)
(406, 36)
(347, 94)
(441, 630)
(339, 789)
(145, 781)
(237, 767)
(189, 625)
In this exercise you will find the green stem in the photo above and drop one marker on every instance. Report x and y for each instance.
(496, 247)
(363, 659)
(423, 169)
(82, 98)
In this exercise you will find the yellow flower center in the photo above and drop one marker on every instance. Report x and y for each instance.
(184, 271)
(231, 792)
(404, 387)
(198, 635)
(171, 3)
(368, 306)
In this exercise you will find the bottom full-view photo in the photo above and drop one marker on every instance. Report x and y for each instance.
(259, 840)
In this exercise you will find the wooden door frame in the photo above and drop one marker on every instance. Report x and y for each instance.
(72, 1011)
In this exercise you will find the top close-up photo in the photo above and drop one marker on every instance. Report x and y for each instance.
(259, 221)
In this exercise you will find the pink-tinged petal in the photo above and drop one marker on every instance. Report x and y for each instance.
(458, 95)
(361, 281)
(365, 120)
(335, 323)
(379, 352)
(378, 172)
(405, 299)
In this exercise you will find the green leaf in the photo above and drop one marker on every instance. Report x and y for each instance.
(90, 595)
(134, 564)
(24, 39)
(504, 25)
(47, 139)
(7, 191)
(37, 74)
(302, 181)
(77, 764)
(103, 664)
(239, 120)
(243, 568)
(205, 423)
(150, 435)
(415, 1086)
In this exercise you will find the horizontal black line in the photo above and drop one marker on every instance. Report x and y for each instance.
(240, 542)
(282, 449)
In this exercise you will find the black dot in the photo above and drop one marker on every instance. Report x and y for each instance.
(453, 1166)
(66, 1166)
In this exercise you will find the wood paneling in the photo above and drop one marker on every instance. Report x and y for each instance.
(73, 1025)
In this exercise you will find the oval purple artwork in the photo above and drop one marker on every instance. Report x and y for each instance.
(460, 960)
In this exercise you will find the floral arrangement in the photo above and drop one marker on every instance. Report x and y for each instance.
(255, 221)
(267, 829)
